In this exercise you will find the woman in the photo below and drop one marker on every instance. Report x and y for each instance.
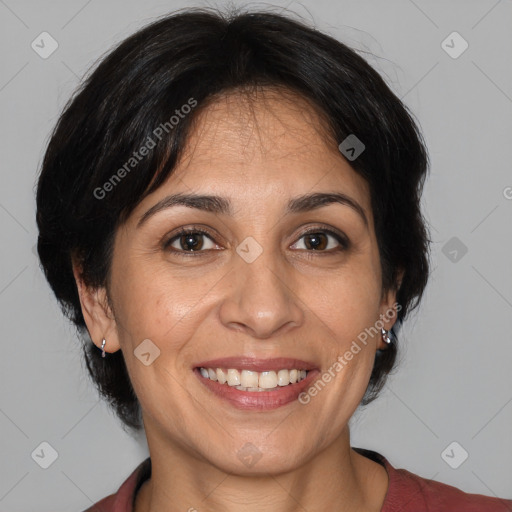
(229, 211)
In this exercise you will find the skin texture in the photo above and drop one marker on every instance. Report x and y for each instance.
(292, 301)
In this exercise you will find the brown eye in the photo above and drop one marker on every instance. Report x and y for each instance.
(322, 241)
(316, 241)
(190, 241)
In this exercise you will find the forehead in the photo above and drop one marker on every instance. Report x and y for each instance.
(262, 144)
(262, 123)
(268, 135)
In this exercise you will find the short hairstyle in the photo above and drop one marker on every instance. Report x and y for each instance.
(191, 57)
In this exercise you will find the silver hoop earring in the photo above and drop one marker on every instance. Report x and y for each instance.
(103, 347)
(385, 336)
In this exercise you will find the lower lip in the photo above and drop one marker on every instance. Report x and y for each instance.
(258, 400)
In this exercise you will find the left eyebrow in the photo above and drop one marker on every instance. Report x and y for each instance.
(222, 205)
(316, 200)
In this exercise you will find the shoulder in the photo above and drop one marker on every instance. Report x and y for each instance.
(123, 499)
(414, 493)
(105, 505)
(408, 492)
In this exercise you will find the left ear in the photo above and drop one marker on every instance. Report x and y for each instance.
(389, 308)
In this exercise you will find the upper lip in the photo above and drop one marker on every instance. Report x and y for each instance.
(257, 364)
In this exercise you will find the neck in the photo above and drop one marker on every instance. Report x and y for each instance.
(337, 478)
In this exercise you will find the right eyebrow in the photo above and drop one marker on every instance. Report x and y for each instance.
(213, 204)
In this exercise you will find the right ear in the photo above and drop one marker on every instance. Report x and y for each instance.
(97, 313)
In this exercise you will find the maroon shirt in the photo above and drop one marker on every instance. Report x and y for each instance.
(407, 492)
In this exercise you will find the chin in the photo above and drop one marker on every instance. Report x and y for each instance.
(252, 460)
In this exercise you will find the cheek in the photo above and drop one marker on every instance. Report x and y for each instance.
(167, 309)
(348, 301)
(150, 300)
(349, 310)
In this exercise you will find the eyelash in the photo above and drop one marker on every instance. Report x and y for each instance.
(341, 239)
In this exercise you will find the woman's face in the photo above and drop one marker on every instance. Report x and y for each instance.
(256, 290)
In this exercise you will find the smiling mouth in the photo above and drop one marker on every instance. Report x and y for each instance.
(248, 380)
(256, 384)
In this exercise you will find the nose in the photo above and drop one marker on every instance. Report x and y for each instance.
(261, 300)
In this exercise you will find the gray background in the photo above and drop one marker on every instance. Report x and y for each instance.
(454, 381)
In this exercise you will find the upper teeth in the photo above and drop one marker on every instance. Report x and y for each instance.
(253, 381)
